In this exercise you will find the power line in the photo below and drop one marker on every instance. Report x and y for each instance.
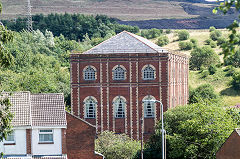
(29, 16)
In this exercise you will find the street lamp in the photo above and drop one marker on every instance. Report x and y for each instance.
(163, 131)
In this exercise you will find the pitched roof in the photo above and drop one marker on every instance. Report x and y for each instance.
(125, 42)
(37, 109)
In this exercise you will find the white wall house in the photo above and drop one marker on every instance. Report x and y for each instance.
(39, 127)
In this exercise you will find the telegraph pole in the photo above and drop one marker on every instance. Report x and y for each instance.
(29, 16)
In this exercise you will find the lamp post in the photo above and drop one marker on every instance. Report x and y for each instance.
(141, 138)
(163, 131)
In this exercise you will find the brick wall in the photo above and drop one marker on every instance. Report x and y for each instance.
(29, 140)
(80, 138)
(170, 86)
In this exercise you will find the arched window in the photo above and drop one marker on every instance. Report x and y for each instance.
(119, 73)
(89, 73)
(149, 107)
(148, 72)
(119, 106)
(90, 107)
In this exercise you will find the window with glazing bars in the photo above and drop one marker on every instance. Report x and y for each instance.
(119, 73)
(89, 73)
(149, 110)
(148, 73)
(119, 104)
(90, 107)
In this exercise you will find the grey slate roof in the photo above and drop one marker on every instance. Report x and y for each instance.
(125, 42)
(38, 109)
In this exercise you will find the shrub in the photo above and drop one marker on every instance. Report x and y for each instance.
(208, 41)
(201, 93)
(235, 82)
(151, 33)
(168, 31)
(230, 70)
(233, 59)
(221, 40)
(116, 146)
(194, 42)
(214, 35)
(162, 40)
(212, 28)
(212, 69)
(204, 56)
(213, 44)
(183, 35)
(185, 45)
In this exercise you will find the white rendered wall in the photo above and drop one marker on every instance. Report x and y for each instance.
(20, 144)
(47, 149)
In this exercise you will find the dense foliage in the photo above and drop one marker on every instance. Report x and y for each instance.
(41, 63)
(73, 26)
(235, 83)
(151, 33)
(183, 35)
(162, 40)
(193, 131)
(202, 93)
(203, 57)
(185, 45)
(116, 146)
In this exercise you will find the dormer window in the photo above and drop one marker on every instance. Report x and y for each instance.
(119, 73)
(148, 72)
(89, 73)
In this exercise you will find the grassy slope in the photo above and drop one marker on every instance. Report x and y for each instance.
(219, 80)
(122, 9)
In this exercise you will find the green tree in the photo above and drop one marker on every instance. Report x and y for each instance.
(193, 131)
(214, 35)
(116, 146)
(235, 82)
(202, 93)
(204, 57)
(183, 35)
(185, 45)
(162, 40)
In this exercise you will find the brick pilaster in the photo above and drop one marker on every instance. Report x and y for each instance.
(29, 141)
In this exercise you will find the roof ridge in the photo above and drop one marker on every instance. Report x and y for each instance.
(103, 42)
(133, 35)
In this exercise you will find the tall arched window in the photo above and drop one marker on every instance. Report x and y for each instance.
(119, 106)
(149, 107)
(148, 72)
(89, 73)
(119, 73)
(90, 107)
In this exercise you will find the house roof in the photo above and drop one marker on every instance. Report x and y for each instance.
(37, 109)
(125, 42)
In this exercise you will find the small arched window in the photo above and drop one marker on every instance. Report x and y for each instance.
(149, 107)
(119, 73)
(90, 107)
(89, 73)
(119, 106)
(148, 72)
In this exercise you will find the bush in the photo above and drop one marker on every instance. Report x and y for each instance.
(208, 41)
(213, 44)
(201, 93)
(168, 31)
(221, 40)
(212, 69)
(151, 33)
(185, 45)
(235, 82)
(194, 42)
(204, 56)
(230, 70)
(214, 35)
(233, 59)
(162, 40)
(212, 28)
(183, 35)
(116, 146)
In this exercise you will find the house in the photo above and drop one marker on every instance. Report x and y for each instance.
(231, 148)
(41, 129)
(110, 82)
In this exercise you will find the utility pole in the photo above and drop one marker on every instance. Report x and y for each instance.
(29, 16)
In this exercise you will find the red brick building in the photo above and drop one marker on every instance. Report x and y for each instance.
(110, 81)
